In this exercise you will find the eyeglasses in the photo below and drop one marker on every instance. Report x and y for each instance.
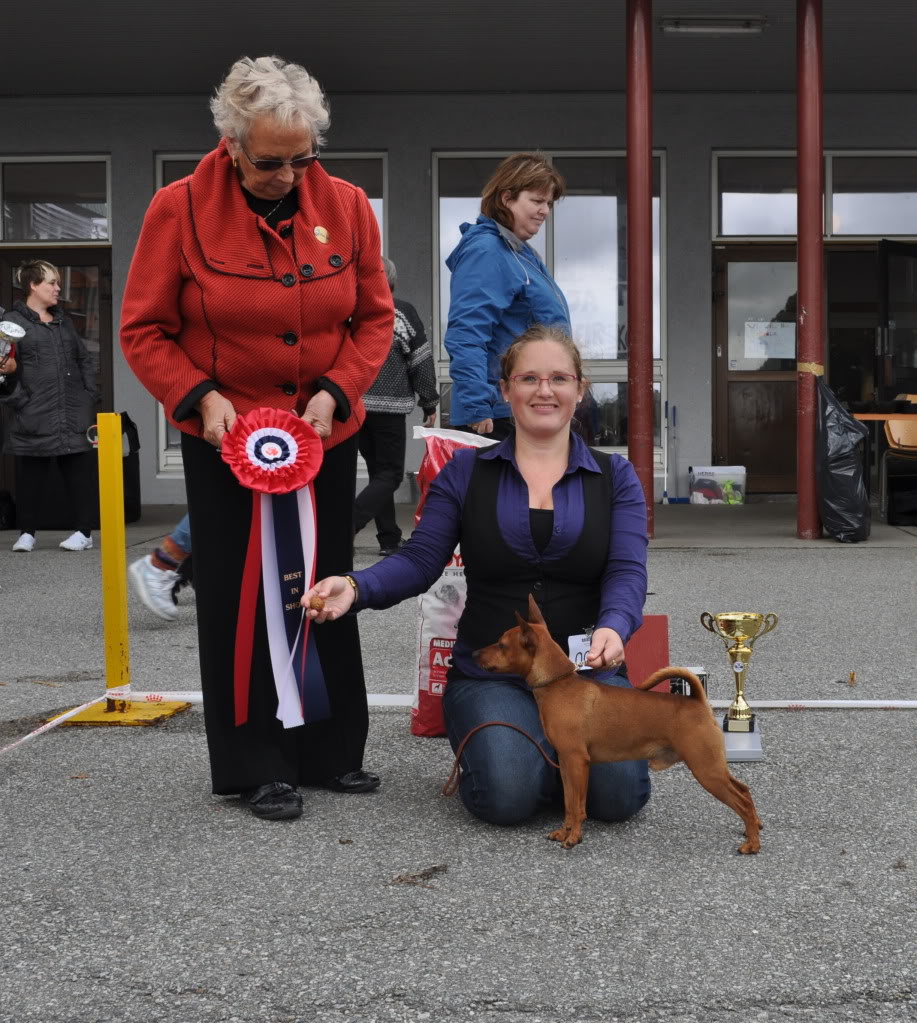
(299, 163)
(557, 381)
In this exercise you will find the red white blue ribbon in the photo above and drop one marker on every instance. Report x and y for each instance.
(277, 456)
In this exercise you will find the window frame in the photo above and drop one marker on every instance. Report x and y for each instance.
(87, 243)
(828, 199)
(599, 371)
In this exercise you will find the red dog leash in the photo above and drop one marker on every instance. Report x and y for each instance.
(452, 783)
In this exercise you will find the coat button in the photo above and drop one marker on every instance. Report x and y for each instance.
(537, 585)
(288, 280)
(336, 260)
(307, 269)
(289, 389)
(286, 231)
(290, 338)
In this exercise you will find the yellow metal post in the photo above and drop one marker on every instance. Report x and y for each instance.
(114, 591)
(114, 554)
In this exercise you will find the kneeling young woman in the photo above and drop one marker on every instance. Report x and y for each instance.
(539, 513)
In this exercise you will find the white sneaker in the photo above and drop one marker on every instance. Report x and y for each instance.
(25, 542)
(76, 542)
(154, 587)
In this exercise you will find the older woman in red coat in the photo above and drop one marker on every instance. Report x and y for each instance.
(258, 282)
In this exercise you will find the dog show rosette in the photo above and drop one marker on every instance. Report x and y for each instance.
(277, 456)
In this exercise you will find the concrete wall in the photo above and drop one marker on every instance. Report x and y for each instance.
(409, 128)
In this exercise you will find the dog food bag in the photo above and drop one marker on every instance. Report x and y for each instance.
(441, 606)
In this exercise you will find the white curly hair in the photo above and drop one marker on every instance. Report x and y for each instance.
(269, 86)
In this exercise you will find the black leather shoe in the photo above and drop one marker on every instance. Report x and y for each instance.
(384, 552)
(353, 781)
(275, 801)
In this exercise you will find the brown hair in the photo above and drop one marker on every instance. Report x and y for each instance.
(33, 272)
(541, 332)
(521, 172)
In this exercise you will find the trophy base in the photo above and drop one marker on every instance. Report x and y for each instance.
(738, 724)
(742, 746)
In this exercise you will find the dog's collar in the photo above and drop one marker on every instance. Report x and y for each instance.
(540, 685)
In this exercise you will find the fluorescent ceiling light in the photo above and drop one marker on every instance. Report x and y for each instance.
(697, 25)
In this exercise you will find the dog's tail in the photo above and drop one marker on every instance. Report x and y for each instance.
(697, 687)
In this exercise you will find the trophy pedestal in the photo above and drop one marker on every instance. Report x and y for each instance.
(743, 746)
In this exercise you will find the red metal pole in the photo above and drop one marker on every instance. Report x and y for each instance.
(810, 296)
(640, 247)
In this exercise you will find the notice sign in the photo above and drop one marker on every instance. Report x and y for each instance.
(767, 339)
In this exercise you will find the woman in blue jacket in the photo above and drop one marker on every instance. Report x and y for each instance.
(499, 288)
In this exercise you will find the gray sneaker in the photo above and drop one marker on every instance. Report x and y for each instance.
(154, 587)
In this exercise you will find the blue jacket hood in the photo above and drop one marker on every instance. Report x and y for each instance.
(483, 225)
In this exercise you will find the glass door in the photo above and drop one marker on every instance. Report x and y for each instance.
(896, 340)
(754, 419)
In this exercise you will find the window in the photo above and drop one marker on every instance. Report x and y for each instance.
(55, 199)
(590, 253)
(874, 195)
(367, 170)
(871, 195)
(584, 244)
(756, 195)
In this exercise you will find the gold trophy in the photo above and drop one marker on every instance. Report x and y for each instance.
(739, 630)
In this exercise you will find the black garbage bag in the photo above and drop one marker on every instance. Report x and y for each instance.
(840, 459)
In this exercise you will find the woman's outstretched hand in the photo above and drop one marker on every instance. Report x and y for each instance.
(606, 651)
(328, 599)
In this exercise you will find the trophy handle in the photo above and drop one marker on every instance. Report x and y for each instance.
(770, 623)
(706, 619)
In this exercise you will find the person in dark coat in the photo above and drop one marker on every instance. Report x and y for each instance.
(407, 371)
(53, 398)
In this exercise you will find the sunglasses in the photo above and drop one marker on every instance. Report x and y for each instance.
(300, 163)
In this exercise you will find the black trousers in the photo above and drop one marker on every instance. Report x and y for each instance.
(262, 750)
(33, 473)
(381, 442)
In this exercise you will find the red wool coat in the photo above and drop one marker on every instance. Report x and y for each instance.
(215, 296)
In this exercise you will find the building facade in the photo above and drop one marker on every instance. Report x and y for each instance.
(77, 173)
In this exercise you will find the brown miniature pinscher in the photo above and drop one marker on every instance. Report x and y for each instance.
(588, 723)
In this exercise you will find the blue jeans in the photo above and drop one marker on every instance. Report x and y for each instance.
(505, 780)
(181, 534)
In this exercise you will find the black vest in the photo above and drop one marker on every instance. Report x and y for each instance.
(499, 581)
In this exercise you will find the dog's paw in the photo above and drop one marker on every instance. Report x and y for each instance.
(558, 836)
(749, 848)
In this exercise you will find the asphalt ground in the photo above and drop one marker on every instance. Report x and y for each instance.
(130, 893)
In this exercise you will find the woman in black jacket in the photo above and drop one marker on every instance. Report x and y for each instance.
(53, 398)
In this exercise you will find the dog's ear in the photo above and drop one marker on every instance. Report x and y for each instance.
(535, 614)
(527, 635)
(520, 621)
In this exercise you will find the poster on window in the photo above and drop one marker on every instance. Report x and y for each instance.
(768, 339)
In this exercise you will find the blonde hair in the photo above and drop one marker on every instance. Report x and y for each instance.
(269, 87)
(541, 332)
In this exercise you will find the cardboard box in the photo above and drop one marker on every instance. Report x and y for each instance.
(717, 484)
(681, 687)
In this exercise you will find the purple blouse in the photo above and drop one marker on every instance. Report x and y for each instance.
(418, 564)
